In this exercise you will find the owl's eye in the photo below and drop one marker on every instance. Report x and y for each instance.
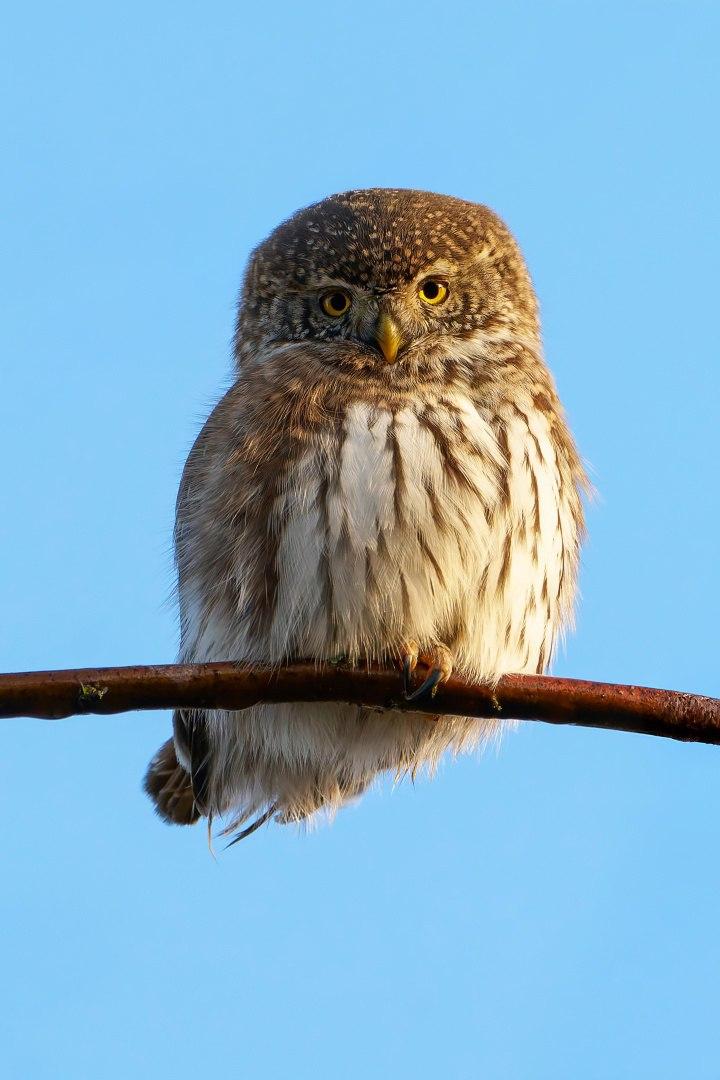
(335, 303)
(431, 291)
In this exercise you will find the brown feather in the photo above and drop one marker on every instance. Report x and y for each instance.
(170, 788)
(337, 504)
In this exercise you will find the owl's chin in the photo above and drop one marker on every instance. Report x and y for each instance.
(355, 367)
(365, 363)
(417, 356)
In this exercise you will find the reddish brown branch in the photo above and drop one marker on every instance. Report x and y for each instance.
(54, 694)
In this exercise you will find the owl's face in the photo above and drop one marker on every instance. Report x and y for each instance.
(388, 283)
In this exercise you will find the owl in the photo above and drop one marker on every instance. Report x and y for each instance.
(389, 478)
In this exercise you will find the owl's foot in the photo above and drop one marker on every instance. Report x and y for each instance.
(437, 658)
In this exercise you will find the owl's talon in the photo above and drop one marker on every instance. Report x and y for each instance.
(407, 672)
(429, 686)
(409, 653)
(438, 659)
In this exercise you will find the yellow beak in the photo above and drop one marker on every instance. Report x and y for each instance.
(388, 337)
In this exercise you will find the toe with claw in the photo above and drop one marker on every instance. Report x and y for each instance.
(438, 659)
(410, 654)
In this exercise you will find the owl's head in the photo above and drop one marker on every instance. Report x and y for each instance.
(386, 283)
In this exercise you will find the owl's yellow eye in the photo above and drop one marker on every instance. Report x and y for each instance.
(432, 291)
(335, 303)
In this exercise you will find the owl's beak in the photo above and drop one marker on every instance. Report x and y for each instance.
(388, 337)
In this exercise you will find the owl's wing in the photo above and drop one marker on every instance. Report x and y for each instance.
(178, 780)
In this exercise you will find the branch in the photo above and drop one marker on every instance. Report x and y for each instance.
(51, 695)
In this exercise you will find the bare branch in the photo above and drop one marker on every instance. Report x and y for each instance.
(55, 694)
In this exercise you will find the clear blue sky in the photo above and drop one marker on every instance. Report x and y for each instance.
(549, 911)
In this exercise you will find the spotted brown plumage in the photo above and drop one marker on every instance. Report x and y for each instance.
(390, 474)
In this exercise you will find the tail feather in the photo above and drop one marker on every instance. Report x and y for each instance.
(181, 792)
(250, 829)
(170, 787)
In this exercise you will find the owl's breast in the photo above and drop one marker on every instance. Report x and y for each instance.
(398, 525)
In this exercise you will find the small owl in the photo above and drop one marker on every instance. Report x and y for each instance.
(389, 478)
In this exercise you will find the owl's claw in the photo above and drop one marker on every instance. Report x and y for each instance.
(410, 654)
(407, 671)
(429, 686)
(438, 658)
(408, 667)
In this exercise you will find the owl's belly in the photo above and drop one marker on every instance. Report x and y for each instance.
(430, 526)
(419, 526)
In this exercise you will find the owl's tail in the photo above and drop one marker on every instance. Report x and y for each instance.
(170, 787)
(296, 798)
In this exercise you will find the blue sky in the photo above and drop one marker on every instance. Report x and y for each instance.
(549, 911)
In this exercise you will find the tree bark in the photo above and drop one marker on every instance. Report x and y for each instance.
(54, 694)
